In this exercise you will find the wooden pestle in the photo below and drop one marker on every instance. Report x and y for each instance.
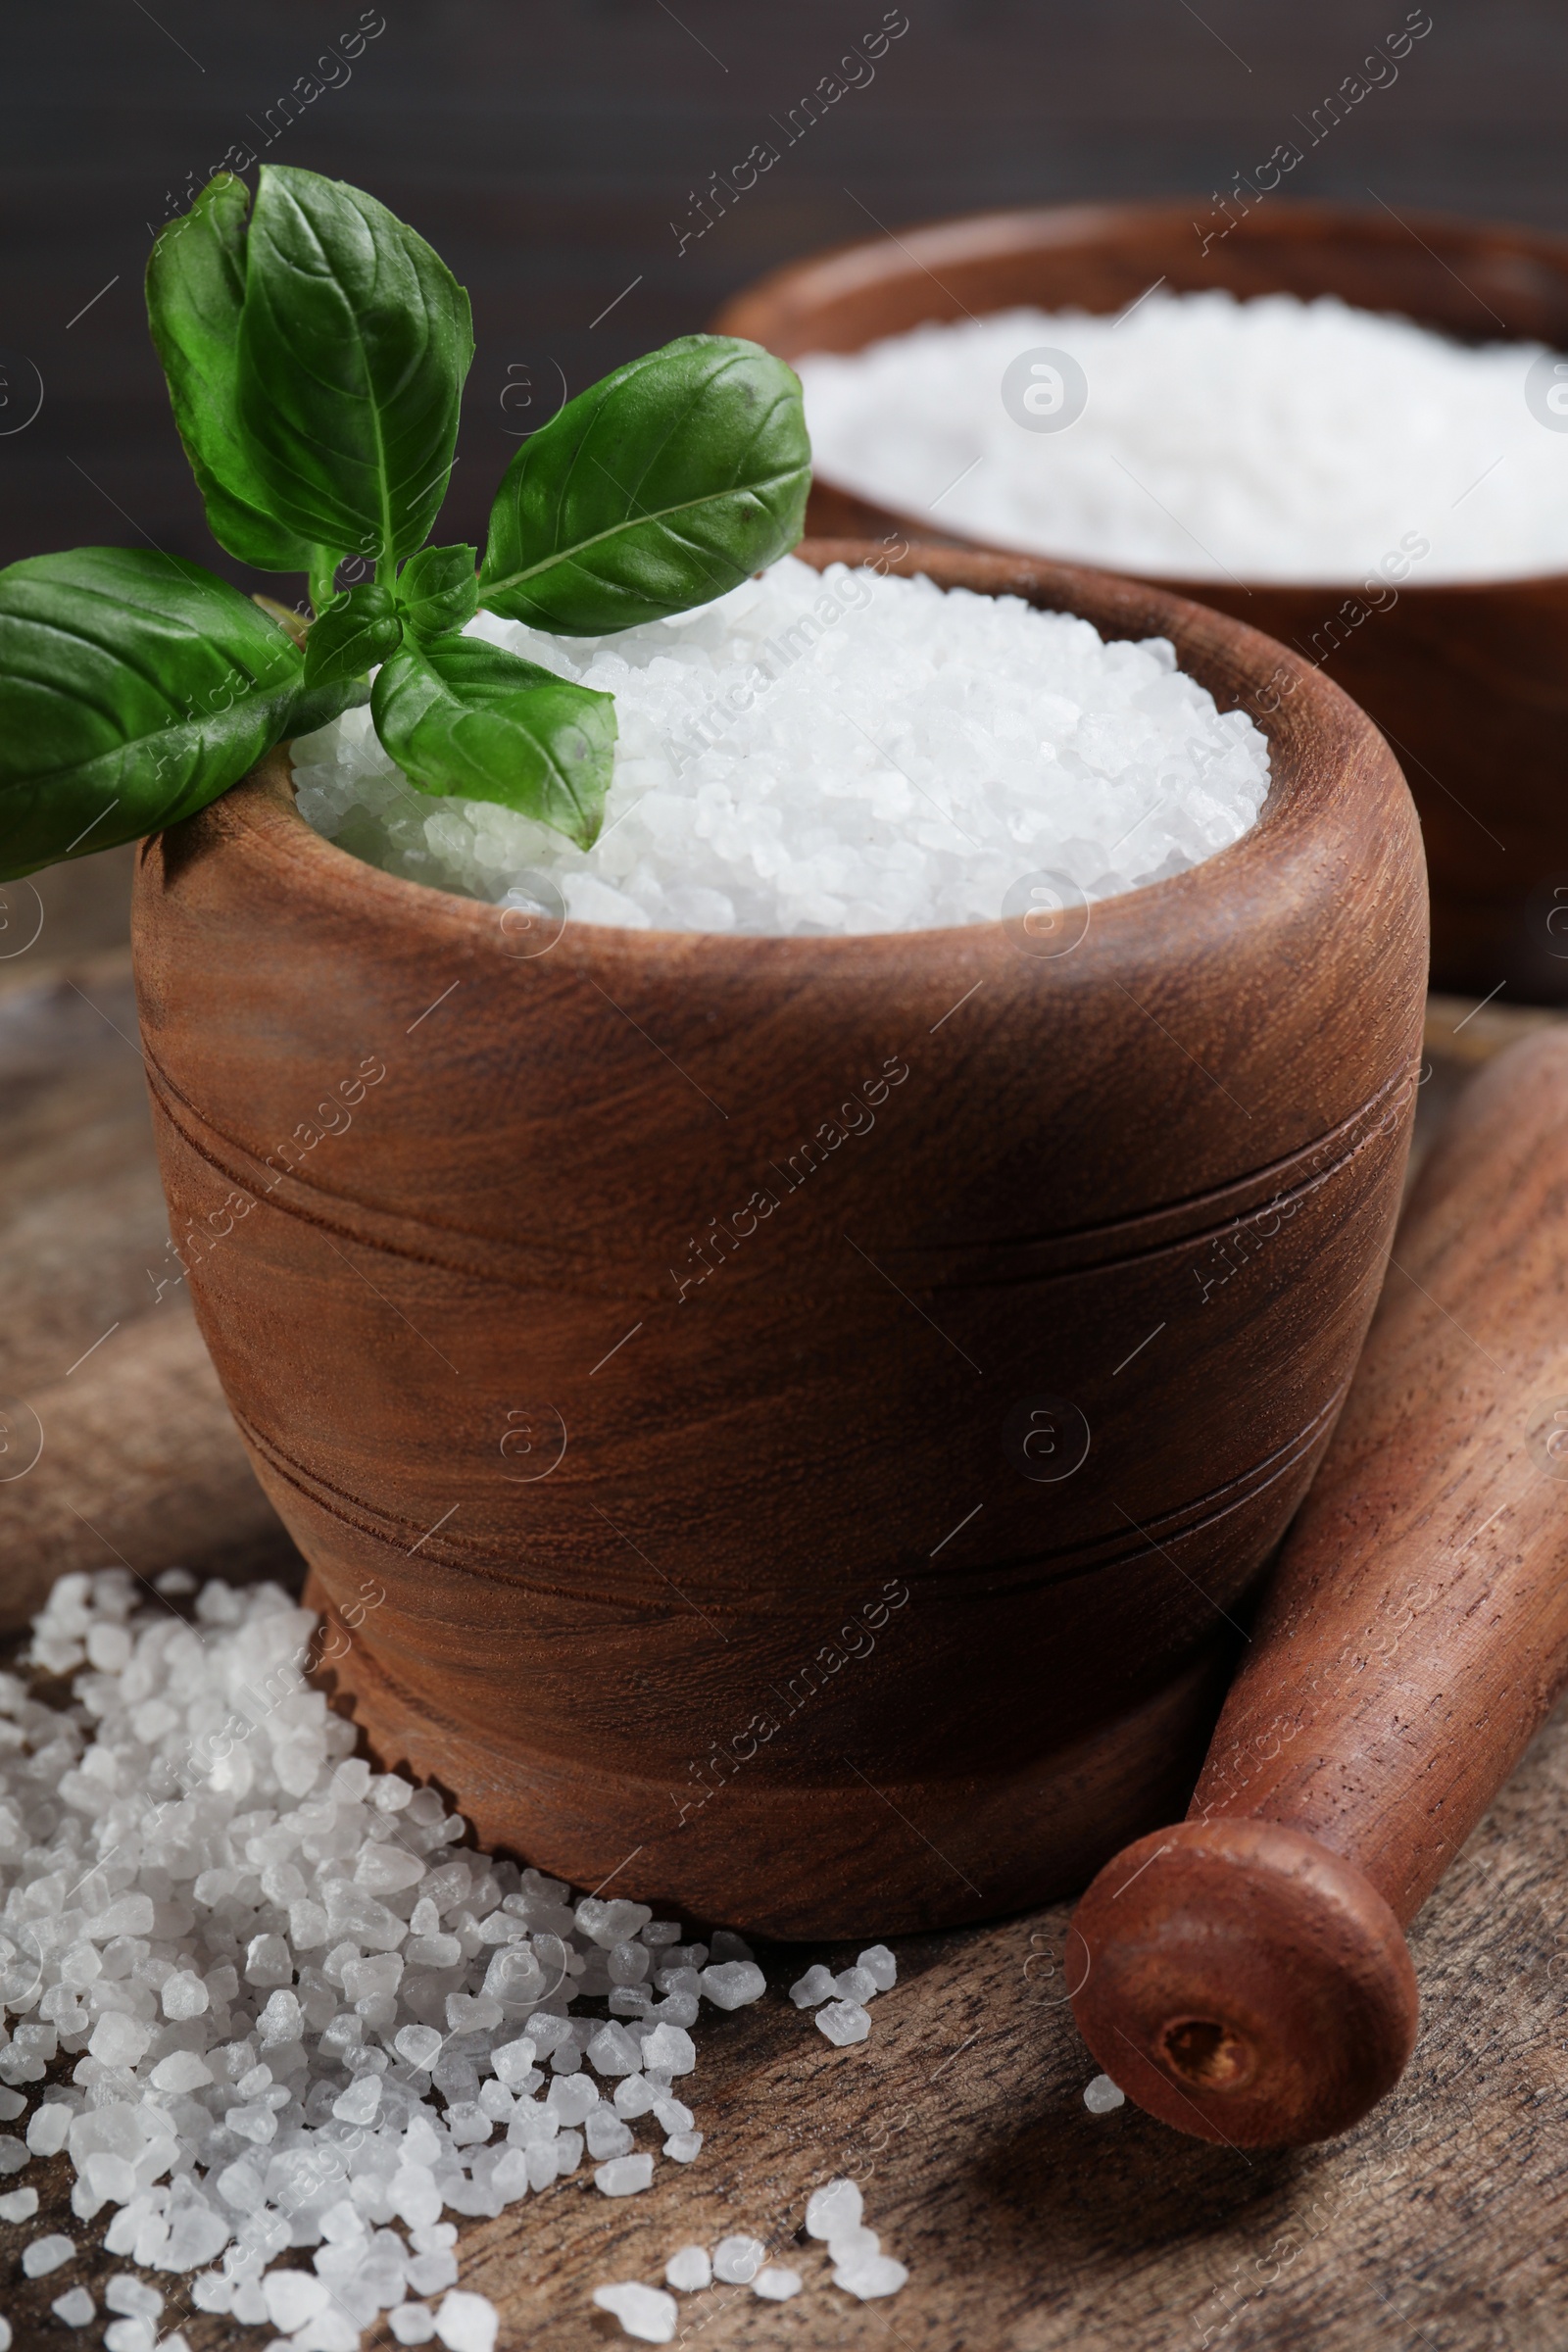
(1243, 1975)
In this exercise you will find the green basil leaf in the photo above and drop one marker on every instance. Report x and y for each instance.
(655, 490)
(355, 631)
(438, 590)
(354, 341)
(195, 291)
(134, 688)
(462, 716)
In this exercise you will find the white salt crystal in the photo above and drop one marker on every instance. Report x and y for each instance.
(732, 1983)
(118, 2040)
(46, 2254)
(46, 2133)
(1102, 2095)
(843, 2021)
(5, 2333)
(877, 2274)
(684, 2147)
(386, 1867)
(292, 2298)
(736, 2260)
(129, 2335)
(635, 2096)
(18, 2205)
(855, 1985)
(669, 2050)
(420, 2045)
(133, 2296)
(180, 2071)
(815, 1985)
(196, 2235)
(606, 2135)
(610, 1923)
(833, 2209)
(107, 1649)
(572, 2097)
(240, 2184)
(613, 2051)
(837, 752)
(880, 1965)
(850, 2246)
(183, 1995)
(1271, 439)
(776, 2285)
(76, 2307)
(645, 2312)
(411, 2322)
(466, 2322)
(625, 2176)
(358, 2103)
(690, 2269)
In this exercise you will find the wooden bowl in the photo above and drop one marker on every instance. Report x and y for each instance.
(1468, 681)
(790, 1427)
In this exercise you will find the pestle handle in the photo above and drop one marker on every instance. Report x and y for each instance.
(1244, 1974)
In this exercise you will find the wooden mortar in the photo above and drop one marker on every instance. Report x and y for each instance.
(1243, 1975)
(748, 1556)
(1468, 679)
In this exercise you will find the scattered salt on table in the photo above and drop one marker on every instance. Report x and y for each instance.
(1102, 2095)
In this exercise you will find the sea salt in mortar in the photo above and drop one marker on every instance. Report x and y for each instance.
(843, 752)
(1265, 440)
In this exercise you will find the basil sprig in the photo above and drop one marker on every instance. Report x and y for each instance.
(315, 349)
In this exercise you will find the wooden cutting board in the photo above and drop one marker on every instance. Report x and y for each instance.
(1025, 2221)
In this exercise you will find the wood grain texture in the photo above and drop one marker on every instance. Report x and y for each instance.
(1469, 682)
(100, 1359)
(792, 1608)
(1244, 1972)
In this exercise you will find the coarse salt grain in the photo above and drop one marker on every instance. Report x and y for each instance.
(75, 2308)
(625, 2176)
(736, 2260)
(815, 1985)
(732, 1983)
(832, 2210)
(690, 2268)
(45, 2254)
(645, 2312)
(1102, 2095)
(870, 2277)
(466, 2322)
(843, 2021)
(1273, 439)
(844, 752)
(776, 2285)
(411, 2322)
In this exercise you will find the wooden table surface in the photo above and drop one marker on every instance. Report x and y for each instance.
(1026, 2222)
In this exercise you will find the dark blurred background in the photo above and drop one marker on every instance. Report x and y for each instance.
(555, 153)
